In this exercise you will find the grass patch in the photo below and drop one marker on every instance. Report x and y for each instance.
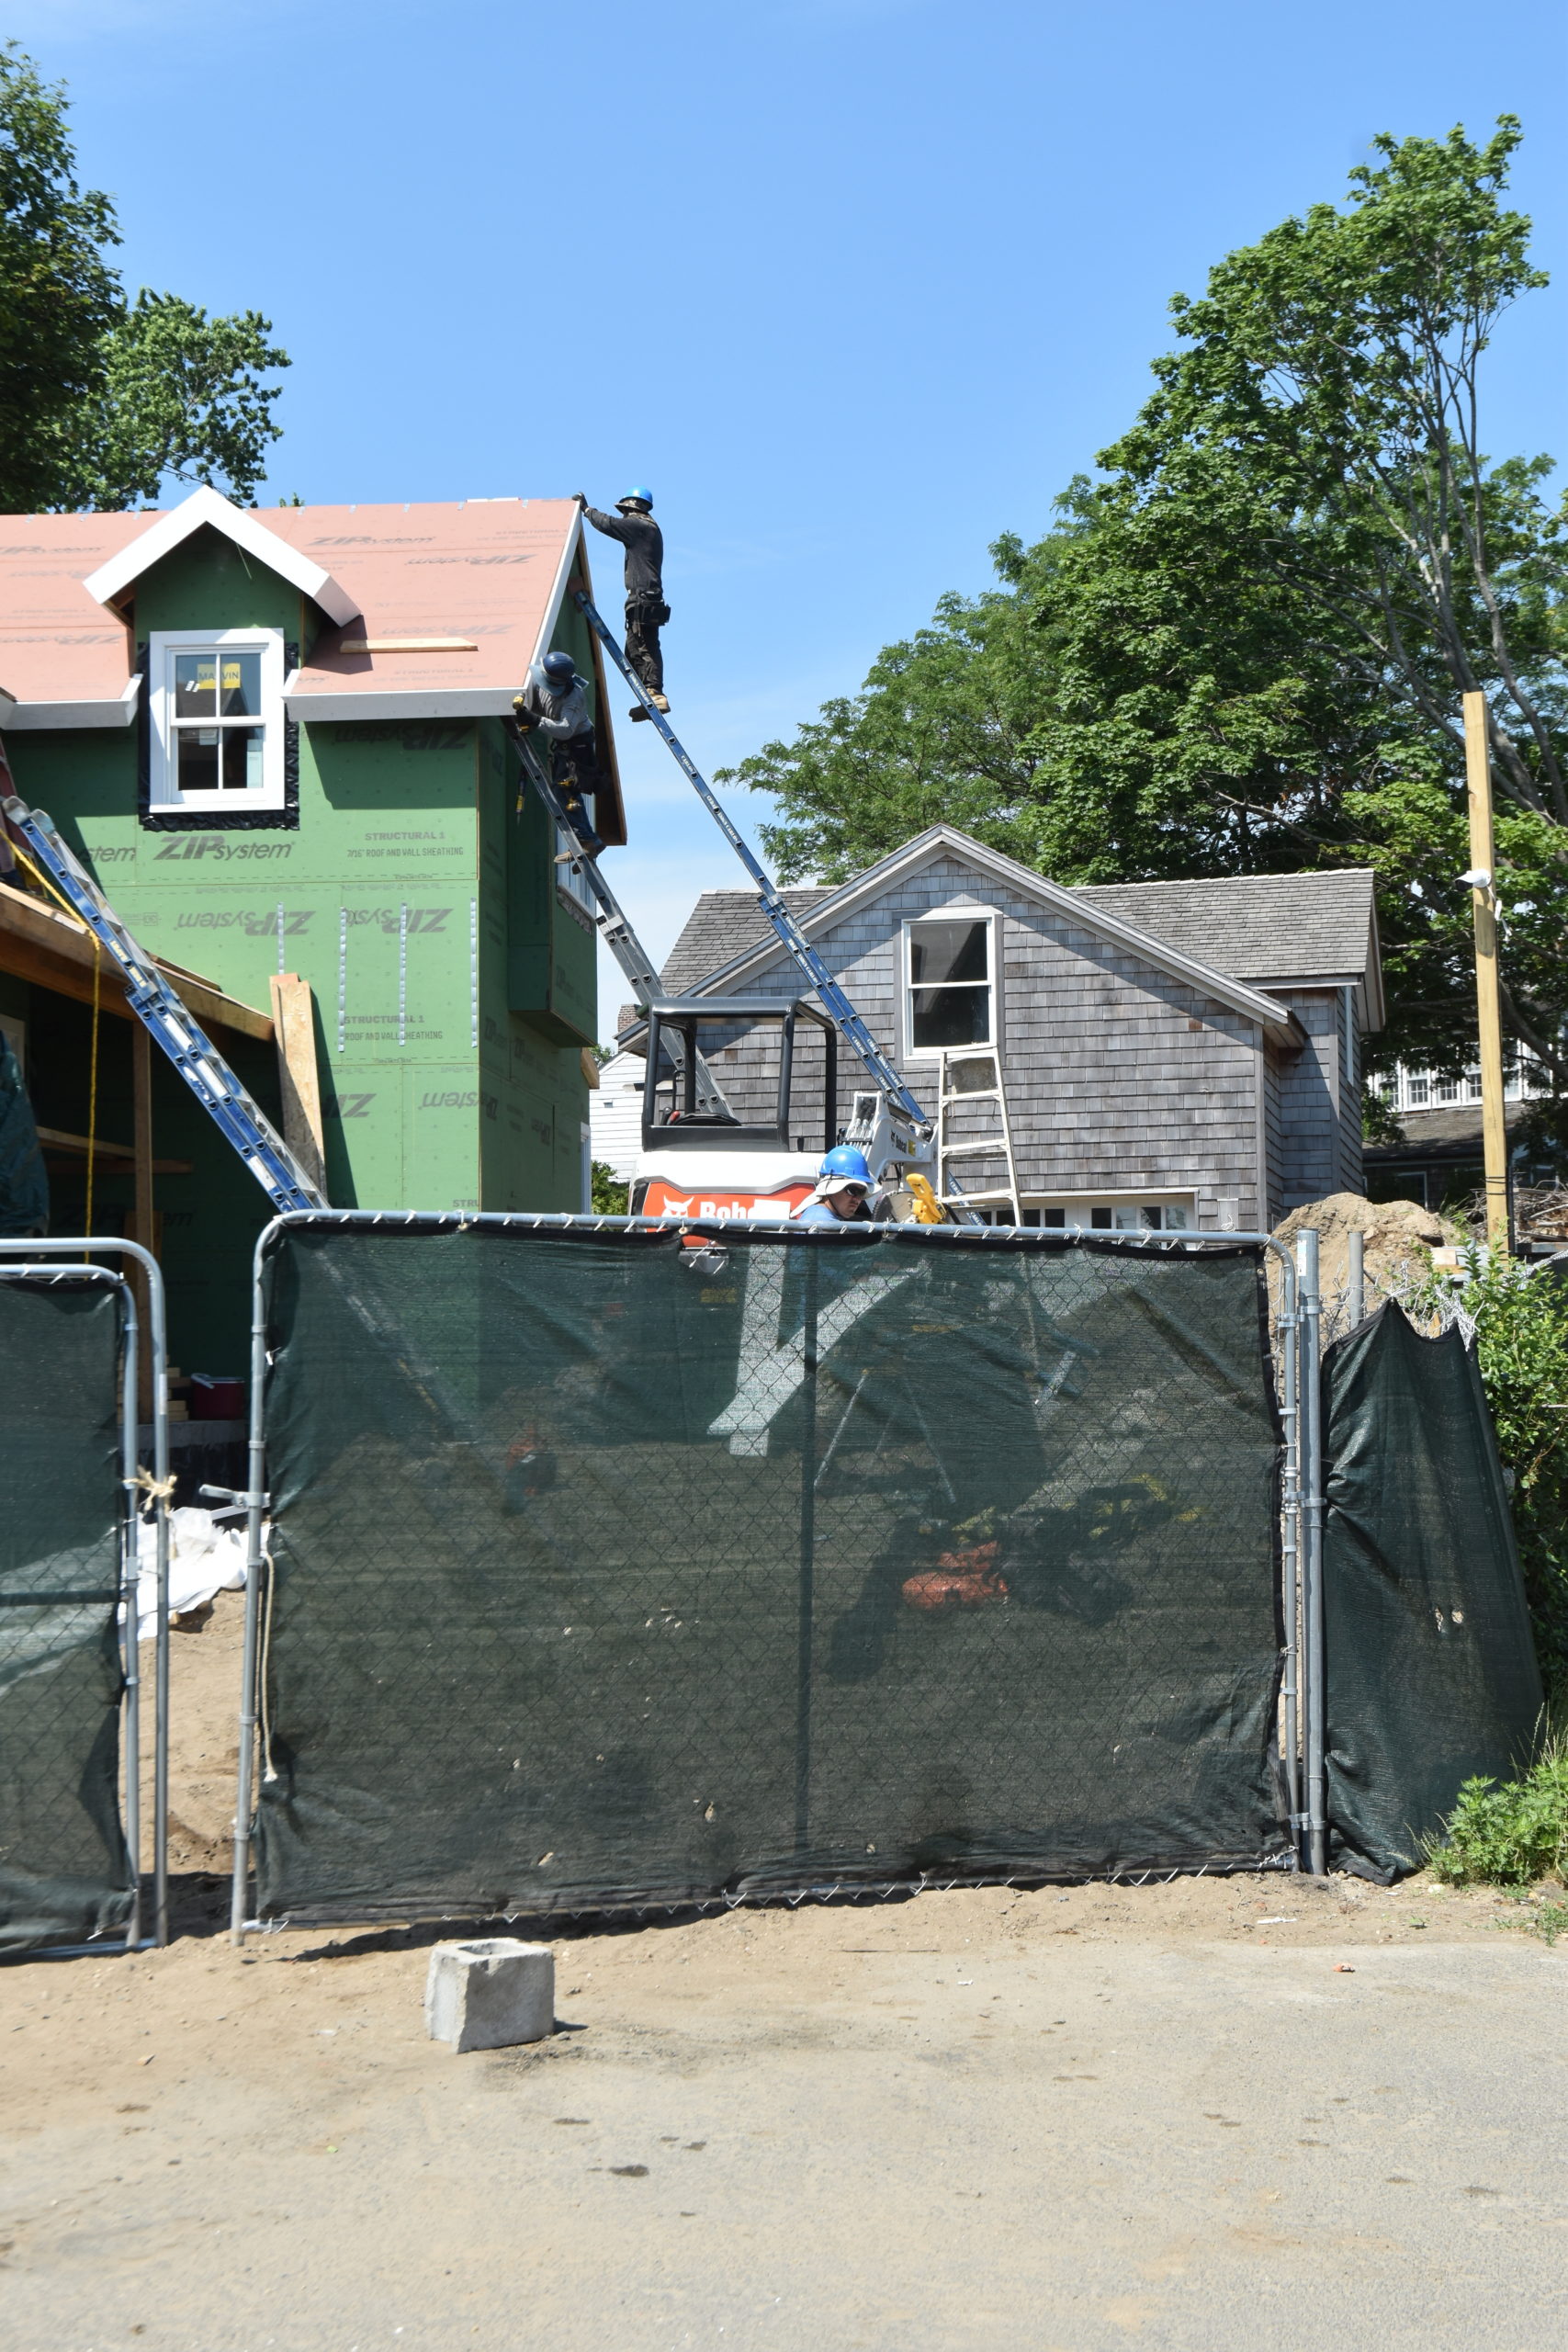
(1551, 1920)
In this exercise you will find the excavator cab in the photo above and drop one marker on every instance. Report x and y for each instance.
(738, 1106)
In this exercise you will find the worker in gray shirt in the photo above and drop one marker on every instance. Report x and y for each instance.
(554, 703)
(646, 612)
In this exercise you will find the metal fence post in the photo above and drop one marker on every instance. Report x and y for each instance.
(49, 1258)
(1310, 1304)
(255, 1564)
(129, 1579)
(1355, 1280)
(1290, 1560)
(807, 1601)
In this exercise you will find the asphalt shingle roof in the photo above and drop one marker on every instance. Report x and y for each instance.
(722, 925)
(1256, 927)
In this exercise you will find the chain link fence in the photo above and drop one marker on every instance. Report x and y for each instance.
(68, 1872)
(615, 1568)
(1431, 1673)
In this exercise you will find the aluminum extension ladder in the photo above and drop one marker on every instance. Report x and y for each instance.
(986, 1063)
(240, 1119)
(834, 1001)
(614, 924)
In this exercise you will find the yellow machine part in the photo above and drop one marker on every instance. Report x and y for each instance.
(929, 1210)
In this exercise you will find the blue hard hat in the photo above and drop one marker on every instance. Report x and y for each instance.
(559, 668)
(634, 498)
(847, 1164)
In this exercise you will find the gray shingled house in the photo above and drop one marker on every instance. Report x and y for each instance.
(1175, 1054)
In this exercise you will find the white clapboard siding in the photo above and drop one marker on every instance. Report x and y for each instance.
(615, 1115)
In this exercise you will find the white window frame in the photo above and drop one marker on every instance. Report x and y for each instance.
(991, 918)
(165, 793)
(1076, 1210)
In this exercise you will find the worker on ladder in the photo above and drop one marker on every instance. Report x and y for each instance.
(646, 611)
(843, 1195)
(555, 702)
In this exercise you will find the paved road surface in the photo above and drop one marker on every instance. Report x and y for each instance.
(937, 2134)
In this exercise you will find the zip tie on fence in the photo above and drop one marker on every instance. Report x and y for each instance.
(153, 1491)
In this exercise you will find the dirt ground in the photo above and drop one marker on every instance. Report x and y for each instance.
(1253, 2111)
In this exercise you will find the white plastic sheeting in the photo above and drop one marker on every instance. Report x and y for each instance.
(204, 1559)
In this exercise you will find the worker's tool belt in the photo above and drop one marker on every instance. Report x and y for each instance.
(647, 609)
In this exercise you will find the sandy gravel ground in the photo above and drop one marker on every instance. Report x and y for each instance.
(1250, 2112)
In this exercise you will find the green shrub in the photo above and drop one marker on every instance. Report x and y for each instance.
(608, 1196)
(1508, 1834)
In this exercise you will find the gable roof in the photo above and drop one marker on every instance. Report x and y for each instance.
(1270, 929)
(487, 575)
(832, 907)
(208, 509)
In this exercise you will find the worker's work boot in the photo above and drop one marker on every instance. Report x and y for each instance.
(637, 712)
(659, 702)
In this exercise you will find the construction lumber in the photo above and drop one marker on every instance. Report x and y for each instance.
(299, 1073)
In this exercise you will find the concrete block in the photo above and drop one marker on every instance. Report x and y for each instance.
(491, 1994)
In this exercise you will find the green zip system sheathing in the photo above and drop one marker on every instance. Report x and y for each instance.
(454, 977)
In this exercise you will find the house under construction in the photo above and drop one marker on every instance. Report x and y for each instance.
(276, 743)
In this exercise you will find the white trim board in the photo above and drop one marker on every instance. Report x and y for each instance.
(945, 841)
(118, 713)
(208, 509)
(427, 702)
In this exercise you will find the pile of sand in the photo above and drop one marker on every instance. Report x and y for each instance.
(1399, 1236)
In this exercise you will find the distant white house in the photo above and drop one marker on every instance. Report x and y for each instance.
(614, 1114)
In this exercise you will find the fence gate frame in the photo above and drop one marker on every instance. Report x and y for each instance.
(1298, 1597)
(71, 1258)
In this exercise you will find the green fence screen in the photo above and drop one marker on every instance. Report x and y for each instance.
(612, 1571)
(64, 1875)
(1431, 1671)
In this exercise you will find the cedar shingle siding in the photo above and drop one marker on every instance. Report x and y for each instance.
(1123, 1075)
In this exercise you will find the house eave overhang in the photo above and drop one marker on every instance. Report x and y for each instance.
(390, 702)
(1277, 1022)
(19, 716)
(208, 509)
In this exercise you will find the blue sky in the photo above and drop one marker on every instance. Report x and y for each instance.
(855, 285)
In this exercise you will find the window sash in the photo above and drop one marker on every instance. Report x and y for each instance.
(172, 652)
(927, 1034)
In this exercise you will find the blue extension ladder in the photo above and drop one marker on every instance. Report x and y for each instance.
(615, 925)
(240, 1120)
(834, 1001)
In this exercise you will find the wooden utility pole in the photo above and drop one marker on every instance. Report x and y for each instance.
(1483, 905)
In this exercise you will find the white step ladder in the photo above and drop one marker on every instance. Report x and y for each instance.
(968, 1075)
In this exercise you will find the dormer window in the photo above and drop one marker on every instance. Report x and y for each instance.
(217, 713)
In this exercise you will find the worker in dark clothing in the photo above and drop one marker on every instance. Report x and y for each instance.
(646, 612)
(555, 702)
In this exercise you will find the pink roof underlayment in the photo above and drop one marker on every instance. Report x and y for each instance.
(426, 612)
(59, 649)
(482, 577)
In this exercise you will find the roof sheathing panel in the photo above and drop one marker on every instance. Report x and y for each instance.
(487, 570)
(56, 643)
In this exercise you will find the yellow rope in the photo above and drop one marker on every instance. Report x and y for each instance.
(39, 875)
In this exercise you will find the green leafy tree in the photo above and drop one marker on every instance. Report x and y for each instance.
(102, 398)
(607, 1196)
(1243, 647)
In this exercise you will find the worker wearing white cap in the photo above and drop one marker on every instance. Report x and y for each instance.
(842, 1194)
